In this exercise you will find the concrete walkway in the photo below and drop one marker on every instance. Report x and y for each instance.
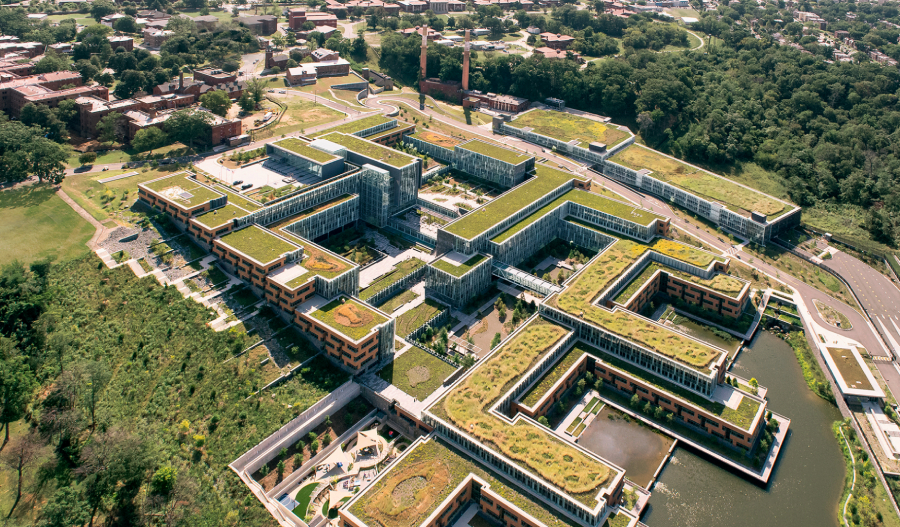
(100, 231)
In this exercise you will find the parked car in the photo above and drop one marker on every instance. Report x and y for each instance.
(237, 182)
(246, 186)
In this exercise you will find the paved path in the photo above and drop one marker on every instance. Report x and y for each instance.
(100, 231)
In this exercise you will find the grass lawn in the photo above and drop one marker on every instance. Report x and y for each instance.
(223, 16)
(394, 303)
(109, 156)
(36, 223)
(302, 499)
(566, 127)
(417, 373)
(417, 317)
(832, 316)
(349, 317)
(83, 19)
(401, 271)
(459, 270)
(105, 200)
(302, 114)
(261, 245)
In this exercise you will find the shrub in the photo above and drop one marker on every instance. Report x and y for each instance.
(543, 420)
(326, 440)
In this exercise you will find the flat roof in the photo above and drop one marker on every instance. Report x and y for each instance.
(221, 216)
(613, 207)
(183, 190)
(302, 148)
(436, 139)
(258, 243)
(458, 264)
(392, 157)
(705, 184)
(503, 154)
(567, 127)
(358, 125)
(479, 220)
(349, 317)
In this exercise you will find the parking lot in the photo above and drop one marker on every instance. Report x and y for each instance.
(266, 174)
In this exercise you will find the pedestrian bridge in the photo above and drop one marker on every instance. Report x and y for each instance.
(520, 277)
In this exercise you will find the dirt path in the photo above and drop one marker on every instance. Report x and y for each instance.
(100, 232)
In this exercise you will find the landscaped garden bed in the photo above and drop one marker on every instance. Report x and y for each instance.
(417, 373)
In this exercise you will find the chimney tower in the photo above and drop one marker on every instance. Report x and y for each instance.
(181, 80)
(465, 79)
(424, 50)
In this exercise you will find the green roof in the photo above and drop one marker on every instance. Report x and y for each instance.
(183, 190)
(721, 283)
(699, 182)
(358, 125)
(588, 199)
(458, 270)
(350, 317)
(390, 131)
(566, 127)
(554, 374)
(742, 416)
(439, 464)
(371, 150)
(300, 147)
(546, 180)
(443, 141)
(221, 216)
(503, 154)
(258, 243)
(403, 269)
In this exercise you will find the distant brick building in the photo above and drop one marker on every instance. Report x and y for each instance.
(214, 76)
(259, 24)
(121, 42)
(155, 38)
(557, 41)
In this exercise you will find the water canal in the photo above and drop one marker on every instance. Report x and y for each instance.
(806, 486)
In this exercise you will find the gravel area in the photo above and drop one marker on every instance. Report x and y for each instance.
(137, 248)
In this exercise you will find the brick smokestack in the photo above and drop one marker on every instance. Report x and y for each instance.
(181, 80)
(465, 79)
(424, 50)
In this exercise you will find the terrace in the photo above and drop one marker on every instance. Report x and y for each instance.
(416, 372)
(577, 299)
(403, 269)
(349, 317)
(302, 148)
(442, 141)
(357, 126)
(258, 244)
(705, 184)
(316, 262)
(545, 181)
(452, 263)
(503, 154)
(183, 190)
(467, 407)
(436, 465)
(590, 200)
(371, 150)
(217, 218)
(567, 127)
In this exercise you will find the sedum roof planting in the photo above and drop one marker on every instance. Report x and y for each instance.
(300, 147)
(183, 189)
(258, 243)
(458, 270)
(566, 127)
(503, 154)
(221, 216)
(392, 157)
(357, 125)
(349, 317)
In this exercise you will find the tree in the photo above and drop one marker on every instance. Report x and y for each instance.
(216, 101)
(16, 385)
(110, 128)
(257, 89)
(66, 508)
(126, 25)
(543, 420)
(52, 61)
(101, 8)
(246, 102)
(163, 480)
(87, 158)
(113, 465)
(149, 138)
(19, 456)
(41, 115)
(95, 376)
(495, 341)
(188, 125)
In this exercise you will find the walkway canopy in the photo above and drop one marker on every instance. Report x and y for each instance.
(337, 463)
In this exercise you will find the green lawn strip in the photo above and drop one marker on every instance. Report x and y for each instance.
(554, 374)
(590, 200)
(547, 456)
(257, 243)
(357, 126)
(574, 425)
(392, 157)
(370, 318)
(301, 147)
(546, 181)
(566, 127)
(591, 404)
(417, 373)
(459, 270)
(402, 299)
(596, 277)
(402, 270)
(302, 499)
(503, 154)
(742, 416)
(413, 319)
(222, 216)
(699, 182)
(435, 457)
(36, 223)
(635, 285)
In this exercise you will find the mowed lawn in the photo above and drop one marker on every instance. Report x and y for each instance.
(417, 373)
(36, 223)
(104, 200)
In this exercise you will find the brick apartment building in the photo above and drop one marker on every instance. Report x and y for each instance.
(557, 41)
(155, 38)
(298, 16)
(121, 42)
(259, 24)
(213, 76)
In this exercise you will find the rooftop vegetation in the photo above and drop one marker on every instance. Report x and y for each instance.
(417, 372)
(416, 317)
(371, 150)
(441, 469)
(233, 197)
(851, 371)
(348, 316)
(358, 125)
(700, 182)
(546, 180)
(566, 127)
(258, 243)
(183, 189)
(317, 262)
(397, 129)
(742, 416)
(467, 407)
(503, 154)
(554, 374)
(301, 147)
(577, 299)
(443, 141)
(458, 270)
(721, 283)
(221, 216)
(402, 270)
(590, 200)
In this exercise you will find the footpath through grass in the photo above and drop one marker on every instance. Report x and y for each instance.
(36, 223)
